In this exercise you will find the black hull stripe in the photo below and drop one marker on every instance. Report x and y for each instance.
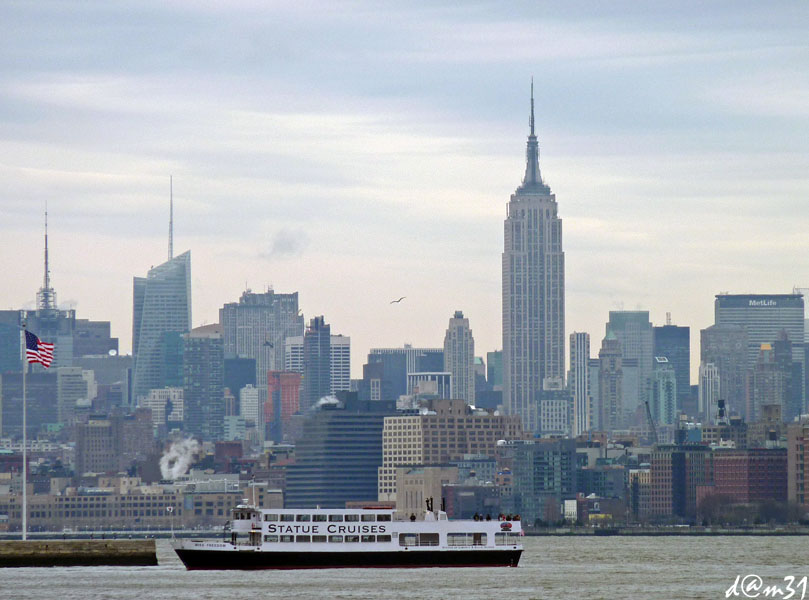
(216, 560)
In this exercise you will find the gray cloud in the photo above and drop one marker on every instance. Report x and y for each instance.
(286, 243)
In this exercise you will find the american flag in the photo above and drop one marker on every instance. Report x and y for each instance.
(37, 351)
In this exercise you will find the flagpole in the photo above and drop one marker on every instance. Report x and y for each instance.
(24, 456)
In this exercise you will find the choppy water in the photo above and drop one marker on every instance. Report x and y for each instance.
(593, 568)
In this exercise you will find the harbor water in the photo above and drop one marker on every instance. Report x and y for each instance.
(551, 567)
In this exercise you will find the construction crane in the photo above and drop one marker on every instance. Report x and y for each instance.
(652, 427)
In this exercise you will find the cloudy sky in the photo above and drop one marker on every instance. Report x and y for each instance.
(361, 151)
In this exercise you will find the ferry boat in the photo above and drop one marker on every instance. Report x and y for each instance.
(352, 538)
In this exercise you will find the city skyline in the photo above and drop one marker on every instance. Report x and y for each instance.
(305, 173)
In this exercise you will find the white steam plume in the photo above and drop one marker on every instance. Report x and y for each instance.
(176, 460)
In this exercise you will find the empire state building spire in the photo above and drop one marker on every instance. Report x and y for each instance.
(532, 182)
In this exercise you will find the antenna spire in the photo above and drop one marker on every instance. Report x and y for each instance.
(171, 217)
(46, 298)
(47, 282)
(532, 181)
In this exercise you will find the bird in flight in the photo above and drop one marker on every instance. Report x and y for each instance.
(397, 301)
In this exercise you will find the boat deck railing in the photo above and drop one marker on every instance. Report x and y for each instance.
(410, 545)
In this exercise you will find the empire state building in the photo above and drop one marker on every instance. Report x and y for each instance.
(533, 293)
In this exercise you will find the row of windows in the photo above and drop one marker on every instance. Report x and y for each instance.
(466, 539)
(506, 538)
(304, 518)
(334, 539)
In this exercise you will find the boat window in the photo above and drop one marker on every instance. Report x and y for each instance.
(506, 538)
(428, 539)
(352, 517)
(303, 538)
(270, 517)
(287, 538)
(319, 518)
(408, 539)
(368, 538)
(302, 517)
(459, 539)
(335, 518)
(383, 517)
(287, 517)
(466, 539)
(271, 538)
(336, 538)
(318, 538)
(383, 538)
(352, 538)
(368, 517)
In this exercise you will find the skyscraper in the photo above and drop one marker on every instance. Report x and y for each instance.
(533, 291)
(161, 303)
(674, 342)
(72, 384)
(340, 364)
(316, 362)
(663, 392)
(610, 384)
(726, 347)
(283, 401)
(709, 393)
(579, 381)
(459, 357)
(204, 382)
(10, 356)
(635, 335)
(764, 317)
(338, 457)
(257, 326)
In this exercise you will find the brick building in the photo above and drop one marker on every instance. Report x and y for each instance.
(676, 473)
(797, 460)
(449, 430)
(747, 476)
(283, 398)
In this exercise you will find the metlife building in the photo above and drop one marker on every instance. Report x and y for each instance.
(765, 316)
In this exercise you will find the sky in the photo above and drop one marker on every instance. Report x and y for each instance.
(357, 152)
